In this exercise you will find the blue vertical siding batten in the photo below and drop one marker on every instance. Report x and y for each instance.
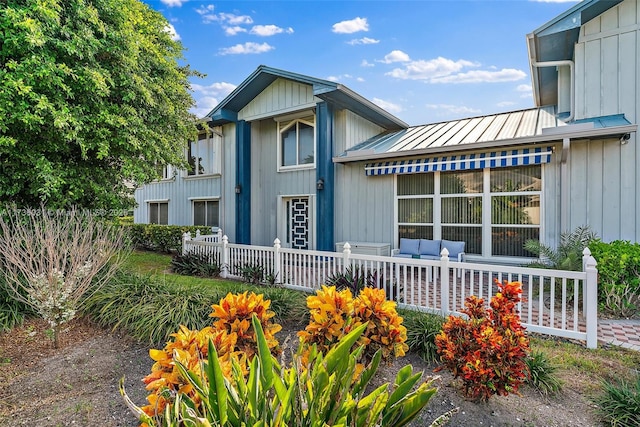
(325, 207)
(243, 180)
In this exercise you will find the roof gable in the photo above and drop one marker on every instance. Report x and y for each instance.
(332, 92)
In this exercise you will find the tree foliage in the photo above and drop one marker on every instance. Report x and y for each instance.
(92, 96)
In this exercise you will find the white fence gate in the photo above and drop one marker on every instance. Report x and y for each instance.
(554, 302)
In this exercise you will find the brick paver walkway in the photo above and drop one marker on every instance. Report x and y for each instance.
(623, 333)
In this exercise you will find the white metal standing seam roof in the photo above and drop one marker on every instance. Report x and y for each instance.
(536, 125)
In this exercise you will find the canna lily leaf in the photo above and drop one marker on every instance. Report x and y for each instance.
(217, 390)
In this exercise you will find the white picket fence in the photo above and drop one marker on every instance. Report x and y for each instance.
(555, 302)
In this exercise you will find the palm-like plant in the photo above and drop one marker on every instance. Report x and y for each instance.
(568, 255)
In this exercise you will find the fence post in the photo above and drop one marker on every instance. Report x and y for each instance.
(186, 236)
(197, 234)
(224, 267)
(346, 255)
(591, 306)
(444, 281)
(276, 260)
(586, 254)
(219, 239)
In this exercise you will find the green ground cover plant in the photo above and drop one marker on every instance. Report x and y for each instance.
(422, 329)
(149, 307)
(619, 402)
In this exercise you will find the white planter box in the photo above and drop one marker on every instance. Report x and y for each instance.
(366, 248)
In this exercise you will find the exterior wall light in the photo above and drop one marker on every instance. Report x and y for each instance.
(238, 189)
(320, 184)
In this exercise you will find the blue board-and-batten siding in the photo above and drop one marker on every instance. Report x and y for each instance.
(243, 182)
(325, 174)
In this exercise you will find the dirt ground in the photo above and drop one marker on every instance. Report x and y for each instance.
(77, 385)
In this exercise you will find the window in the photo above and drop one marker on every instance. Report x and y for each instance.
(164, 172)
(456, 205)
(206, 212)
(204, 155)
(297, 142)
(159, 213)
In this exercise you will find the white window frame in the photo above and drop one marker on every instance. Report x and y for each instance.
(194, 200)
(486, 225)
(285, 125)
(209, 148)
(157, 202)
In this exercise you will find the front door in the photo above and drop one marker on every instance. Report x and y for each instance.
(297, 222)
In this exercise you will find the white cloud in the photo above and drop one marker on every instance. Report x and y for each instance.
(207, 13)
(172, 32)
(359, 79)
(505, 104)
(229, 20)
(246, 48)
(524, 88)
(232, 19)
(366, 63)
(483, 76)
(232, 31)
(429, 70)
(204, 105)
(269, 30)
(454, 109)
(395, 56)
(364, 40)
(351, 26)
(207, 97)
(218, 89)
(340, 77)
(172, 3)
(386, 105)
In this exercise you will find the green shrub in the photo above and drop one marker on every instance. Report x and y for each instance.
(619, 404)
(194, 264)
(150, 308)
(618, 276)
(542, 374)
(326, 392)
(163, 238)
(422, 329)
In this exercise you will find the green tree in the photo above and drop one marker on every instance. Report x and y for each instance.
(92, 97)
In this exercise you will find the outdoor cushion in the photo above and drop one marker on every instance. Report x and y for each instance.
(454, 248)
(429, 247)
(409, 246)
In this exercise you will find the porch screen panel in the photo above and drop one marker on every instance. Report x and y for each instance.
(461, 208)
(415, 206)
(515, 209)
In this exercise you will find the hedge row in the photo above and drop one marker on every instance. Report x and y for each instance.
(618, 276)
(161, 238)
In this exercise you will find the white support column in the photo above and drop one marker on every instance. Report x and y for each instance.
(565, 185)
(591, 307)
(224, 268)
(444, 282)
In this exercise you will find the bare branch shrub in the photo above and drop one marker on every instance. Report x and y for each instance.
(53, 259)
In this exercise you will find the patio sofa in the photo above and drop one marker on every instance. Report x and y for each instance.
(429, 249)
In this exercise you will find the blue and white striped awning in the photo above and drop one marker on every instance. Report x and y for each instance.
(460, 162)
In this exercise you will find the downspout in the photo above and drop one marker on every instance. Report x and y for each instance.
(572, 77)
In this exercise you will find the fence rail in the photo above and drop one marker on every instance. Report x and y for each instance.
(554, 302)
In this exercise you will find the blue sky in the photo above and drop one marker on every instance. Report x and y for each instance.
(423, 61)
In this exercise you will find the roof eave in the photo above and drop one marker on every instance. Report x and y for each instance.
(529, 140)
